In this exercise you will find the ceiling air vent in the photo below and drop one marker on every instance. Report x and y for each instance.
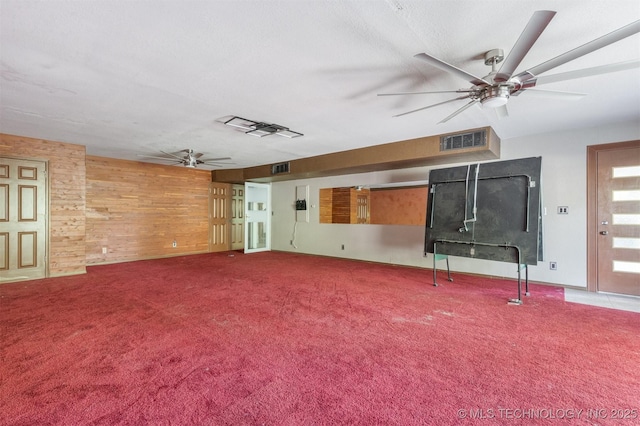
(280, 168)
(463, 140)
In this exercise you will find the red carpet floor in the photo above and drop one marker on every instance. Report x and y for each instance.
(284, 339)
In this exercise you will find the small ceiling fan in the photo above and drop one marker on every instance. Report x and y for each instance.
(189, 158)
(494, 90)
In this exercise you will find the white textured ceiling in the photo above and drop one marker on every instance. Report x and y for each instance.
(135, 77)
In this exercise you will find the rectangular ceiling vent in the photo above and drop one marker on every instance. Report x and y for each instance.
(463, 140)
(280, 168)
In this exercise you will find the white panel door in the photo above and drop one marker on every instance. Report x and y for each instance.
(257, 208)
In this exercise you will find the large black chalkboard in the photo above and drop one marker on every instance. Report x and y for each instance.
(486, 211)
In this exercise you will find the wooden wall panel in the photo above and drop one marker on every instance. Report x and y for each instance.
(341, 205)
(344, 205)
(406, 206)
(326, 203)
(136, 210)
(66, 169)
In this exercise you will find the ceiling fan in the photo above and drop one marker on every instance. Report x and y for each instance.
(189, 158)
(494, 89)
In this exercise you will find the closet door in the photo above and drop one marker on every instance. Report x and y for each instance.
(23, 220)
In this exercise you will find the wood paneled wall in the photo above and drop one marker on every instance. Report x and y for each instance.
(341, 206)
(136, 210)
(344, 205)
(397, 206)
(66, 173)
(326, 205)
(405, 206)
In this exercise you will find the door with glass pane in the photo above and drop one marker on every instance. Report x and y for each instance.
(257, 207)
(618, 216)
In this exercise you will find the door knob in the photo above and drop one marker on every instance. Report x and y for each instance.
(604, 232)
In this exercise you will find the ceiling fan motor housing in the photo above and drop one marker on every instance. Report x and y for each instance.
(191, 159)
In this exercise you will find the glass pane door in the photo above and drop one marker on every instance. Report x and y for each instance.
(257, 202)
(618, 226)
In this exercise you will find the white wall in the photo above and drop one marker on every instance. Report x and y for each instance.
(564, 184)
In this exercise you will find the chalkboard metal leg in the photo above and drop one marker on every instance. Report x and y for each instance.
(448, 270)
(518, 301)
(435, 284)
(526, 280)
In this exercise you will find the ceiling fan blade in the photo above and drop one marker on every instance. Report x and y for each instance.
(197, 155)
(586, 72)
(217, 164)
(502, 112)
(204, 160)
(592, 46)
(425, 93)
(431, 106)
(532, 31)
(477, 81)
(158, 158)
(553, 94)
(473, 102)
(174, 155)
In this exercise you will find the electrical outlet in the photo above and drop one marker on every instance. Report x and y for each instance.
(553, 266)
(290, 242)
(563, 210)
(343, 247)
(104, 250)
(175, 244)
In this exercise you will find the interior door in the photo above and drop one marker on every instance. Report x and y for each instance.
(219, 216)
(618, 216)
(23, 220)
(257, 207)
(237, 217)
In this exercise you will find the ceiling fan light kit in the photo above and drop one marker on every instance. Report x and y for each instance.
(495, 97)
(494, 90)
(261, 129)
